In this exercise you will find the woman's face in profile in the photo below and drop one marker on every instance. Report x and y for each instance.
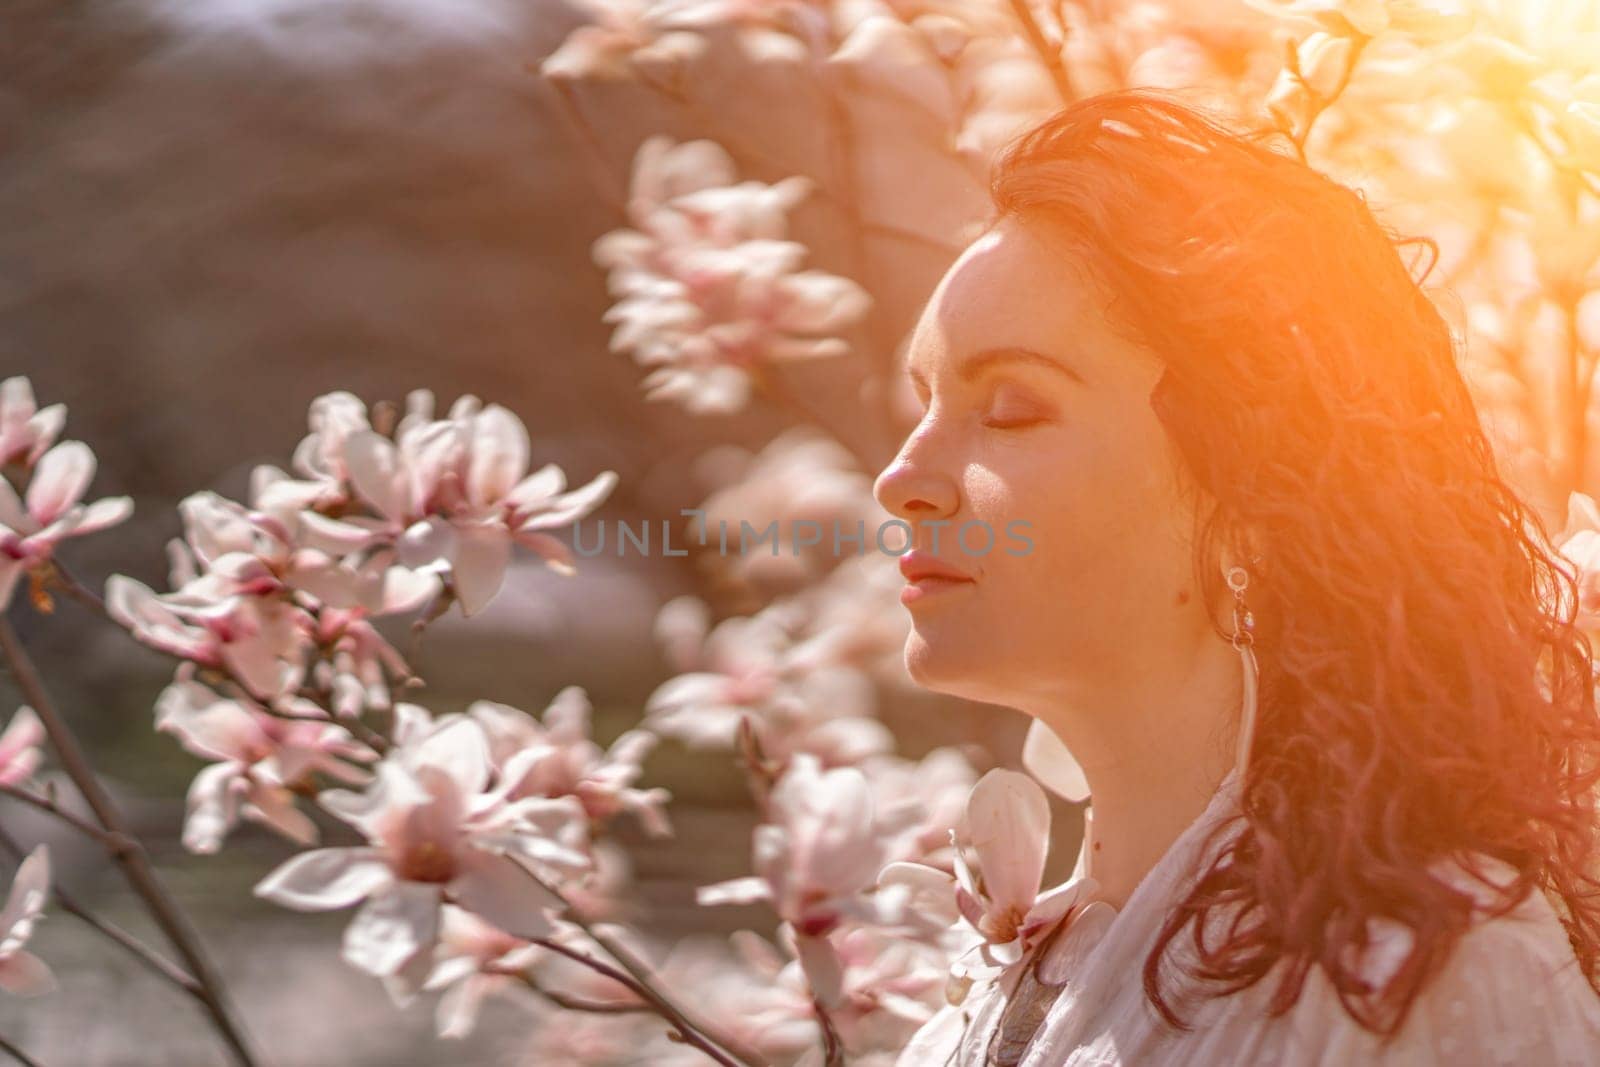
(1037, 422)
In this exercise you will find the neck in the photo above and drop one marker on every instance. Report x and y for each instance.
(1154, 748)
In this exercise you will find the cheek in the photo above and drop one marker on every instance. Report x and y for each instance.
(1100, 506)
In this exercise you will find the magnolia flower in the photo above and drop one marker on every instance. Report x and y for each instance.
(881, 989)
(999, 858)
(553, 756)
(22, 972)
(51, 511)
(801, 483)
(823, 845)
(707, 286)
(359, 662)
(926, 796)
(740, 975)
(240, 550)
(452, 497)
(620, 35)
(754, 667)
(319, 457)
(435, 835)
(26, 430)
(265, 758)
(1579, 543)
(473, 960)
(259, 640)
(1430, 23)
(19, 747)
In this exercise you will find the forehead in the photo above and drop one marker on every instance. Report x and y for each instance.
(1013, 286)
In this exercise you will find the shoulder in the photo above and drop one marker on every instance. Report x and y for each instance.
(1511, 991)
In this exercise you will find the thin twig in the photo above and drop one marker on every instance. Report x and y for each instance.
(133, 861)
(17, 1054)
(58, 577)
(111, 841)
(639, 976)
(1050, 57)
(561, 1000)
(605, 181)
(685, 1031)
(140, 951)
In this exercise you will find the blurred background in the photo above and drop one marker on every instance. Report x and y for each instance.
(212, 213)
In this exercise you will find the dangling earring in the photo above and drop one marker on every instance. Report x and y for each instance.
(1244, 625)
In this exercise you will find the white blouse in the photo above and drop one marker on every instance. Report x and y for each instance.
(1510, 993)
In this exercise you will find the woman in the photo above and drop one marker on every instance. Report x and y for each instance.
(1203, 376)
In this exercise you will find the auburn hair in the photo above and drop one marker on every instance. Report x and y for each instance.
(1424, 693)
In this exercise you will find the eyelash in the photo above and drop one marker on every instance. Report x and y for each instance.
(1014, 424)
(1004, 424)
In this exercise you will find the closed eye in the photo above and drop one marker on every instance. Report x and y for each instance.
(1014, 423)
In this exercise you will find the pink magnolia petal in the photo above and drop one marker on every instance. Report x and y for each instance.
(498, 891)
(274, 806)
(375, 473)
(100, 515)
(537, 488)
(459, 748)
(30, 887)
(326, 878)
(392, 790)
(1008, 824)
(747, 890)
(339, 537)
(213, 803)
(13, 516)
(479, 564)
(19, 746)
(209, 725)
(405, 590)
(26, 975)
(60, 480)
(457, 1012)
(257, 663)
(567, 716)
(823, 969)
(499, 455)
(570, 507)
(393, 928)
(556, 555)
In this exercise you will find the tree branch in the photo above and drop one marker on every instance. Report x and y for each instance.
(133, 861)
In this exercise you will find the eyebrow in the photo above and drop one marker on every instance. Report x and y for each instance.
(989, 357)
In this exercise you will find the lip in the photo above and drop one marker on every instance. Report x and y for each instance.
(917, 565)
(929, 576)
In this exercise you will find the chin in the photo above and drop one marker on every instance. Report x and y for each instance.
(947, 663)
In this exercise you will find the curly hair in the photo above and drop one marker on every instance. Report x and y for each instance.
(1425, 693)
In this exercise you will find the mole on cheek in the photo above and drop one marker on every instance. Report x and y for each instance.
(1183, 596)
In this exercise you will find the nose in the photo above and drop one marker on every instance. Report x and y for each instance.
(914, 488)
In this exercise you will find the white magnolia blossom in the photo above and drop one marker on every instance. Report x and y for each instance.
(19, 747)
(759, 668)
(263, 761)
(784, 515)
(450, 497)
(26, 430)
(554, 756)
(1000, 846)
(21, 972)
(438, 831)
(1579, 543)
(708, 287)
(51, 509)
